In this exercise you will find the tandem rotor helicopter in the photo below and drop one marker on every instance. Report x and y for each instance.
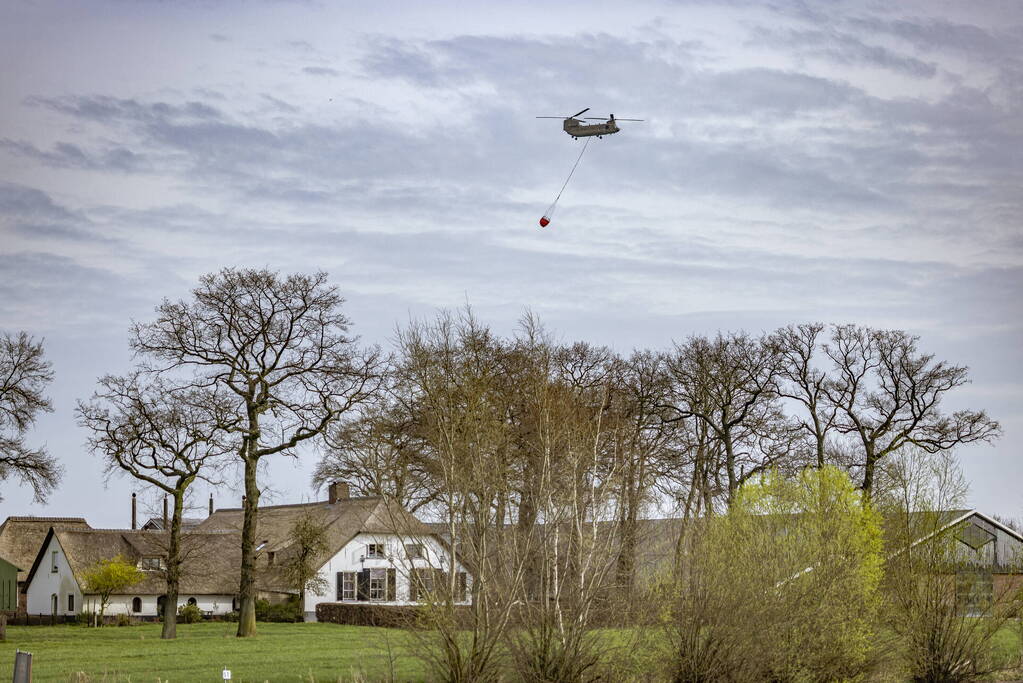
(574, 126)
(577, 129)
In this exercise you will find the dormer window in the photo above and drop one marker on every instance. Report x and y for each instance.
(150, 564)
(415, 551)
(262, 544)
(375, 550)
(270, 558)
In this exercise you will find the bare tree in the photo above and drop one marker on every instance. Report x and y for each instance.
(641, 438)
(380, 454)
(279, 347)
(889, 394)
(24, 375)
(452, 369)
(730, 384)
(165, 438)
(804, 382)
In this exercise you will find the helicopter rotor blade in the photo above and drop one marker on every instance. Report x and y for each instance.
(582, 112)
(551, 117)
(629, 119)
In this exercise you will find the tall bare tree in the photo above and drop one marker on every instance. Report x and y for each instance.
(24, 375)
(801, 380)
(453, 371)
(279, 346)
(163, 437)
(641, 438)
(380, 453)
(730, 384)
(888, 394)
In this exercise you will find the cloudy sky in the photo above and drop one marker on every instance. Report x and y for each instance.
(844, 162)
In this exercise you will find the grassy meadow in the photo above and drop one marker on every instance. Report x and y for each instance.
(315, 653)
(281, 652)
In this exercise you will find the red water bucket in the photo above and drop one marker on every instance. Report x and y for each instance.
(544, 221)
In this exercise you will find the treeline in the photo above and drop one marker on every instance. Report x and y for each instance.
(540, 458)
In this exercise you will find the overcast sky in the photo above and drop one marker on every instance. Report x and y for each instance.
(843, 162)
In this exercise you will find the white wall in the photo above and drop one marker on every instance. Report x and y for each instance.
(46, 583)
(121, 604)
(352, 558)
(62, 582)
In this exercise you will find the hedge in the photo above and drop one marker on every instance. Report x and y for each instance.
(387, 616)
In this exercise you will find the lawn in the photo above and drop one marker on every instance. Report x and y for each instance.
(281, 652)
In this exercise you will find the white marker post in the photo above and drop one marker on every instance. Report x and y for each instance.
(227, 674)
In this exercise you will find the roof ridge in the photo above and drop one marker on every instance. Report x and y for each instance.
(324, 503)
(32, 518)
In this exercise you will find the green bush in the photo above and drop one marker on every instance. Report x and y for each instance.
(189, 614)
(123, 620)
(290, 611)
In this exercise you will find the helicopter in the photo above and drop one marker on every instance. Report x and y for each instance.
(577, 129)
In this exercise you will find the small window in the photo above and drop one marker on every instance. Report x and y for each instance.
(150, 564)
(136, 605)
(415, 551)
(70, 602)
(262, 544)
(378, 584)
(53, 562)
(270, 558)
(375, 550)
(192, 601)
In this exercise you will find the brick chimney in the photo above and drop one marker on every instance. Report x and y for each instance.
(211, 505)
(134, 513)
(339, 490)
(165, 527)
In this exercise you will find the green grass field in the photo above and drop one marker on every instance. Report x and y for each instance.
(281, 652)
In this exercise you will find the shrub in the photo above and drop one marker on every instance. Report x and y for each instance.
(189, 614)
(387, 616)
(123, 620)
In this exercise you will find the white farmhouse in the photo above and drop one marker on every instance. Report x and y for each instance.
(55, 583)
(379, 552)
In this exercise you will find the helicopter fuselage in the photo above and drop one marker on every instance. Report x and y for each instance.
(577, 129)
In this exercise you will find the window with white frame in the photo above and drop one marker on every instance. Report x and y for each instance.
(374, 550)
(53, 562)
(415, 551)
(378, 584)
(348, 583)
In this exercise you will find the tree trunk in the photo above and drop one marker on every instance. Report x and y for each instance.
(868, 470)
(247, 587)
(170, 605)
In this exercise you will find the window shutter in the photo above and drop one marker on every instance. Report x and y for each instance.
(413, 585)
(340, 586)
(392, 585)
(461, 585)
(362, 585)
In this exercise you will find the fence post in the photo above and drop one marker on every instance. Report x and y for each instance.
(3, 627)
(22, 667)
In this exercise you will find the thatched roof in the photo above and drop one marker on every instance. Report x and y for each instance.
(342, 520)
(21, 538)
(210, 564)
(156, 523)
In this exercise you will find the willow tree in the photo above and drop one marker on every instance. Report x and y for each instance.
(279, 347)
(162, 437)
